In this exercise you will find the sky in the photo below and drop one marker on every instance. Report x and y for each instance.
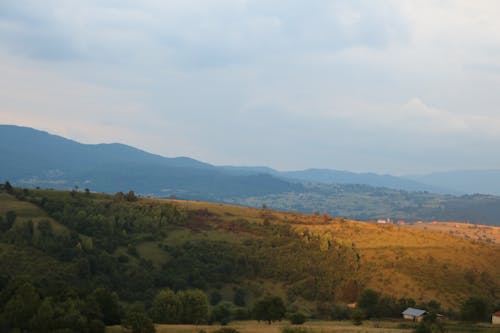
(399, 87)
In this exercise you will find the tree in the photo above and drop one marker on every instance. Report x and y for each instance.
(222, 313)
(21, 307)
(430, 324)
(269, 309)
(215, 297)
(357, 317)
(139, 322)
(239, 297)
(368, 301)
(3, 224)
(10, 218)
(43, 321)
(8, 187)
(166, 308)
(130, 196)
(109, 305)
(297, 318)
(194, 306)
(475, 308)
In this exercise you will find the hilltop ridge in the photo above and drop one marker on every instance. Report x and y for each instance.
(32, 158)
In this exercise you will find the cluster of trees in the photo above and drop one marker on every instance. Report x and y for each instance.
(192, 307)
(375, 305)
(24, 307)
(182, 307)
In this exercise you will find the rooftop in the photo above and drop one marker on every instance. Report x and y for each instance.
(414, 312)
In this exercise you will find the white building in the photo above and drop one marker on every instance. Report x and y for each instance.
(495, 318)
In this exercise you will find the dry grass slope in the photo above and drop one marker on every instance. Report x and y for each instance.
(401, 261)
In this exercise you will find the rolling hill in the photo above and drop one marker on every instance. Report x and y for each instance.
(136, 246)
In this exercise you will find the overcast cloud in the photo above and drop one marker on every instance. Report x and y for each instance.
(385, 86)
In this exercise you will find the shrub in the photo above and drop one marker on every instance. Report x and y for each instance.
(297, 318)
(357, 318)
(269, 309)
(222, 313)
(139, 322)
(242, 314)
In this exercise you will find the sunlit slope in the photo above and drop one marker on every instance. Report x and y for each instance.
(398, 261)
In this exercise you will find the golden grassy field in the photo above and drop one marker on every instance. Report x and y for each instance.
(483, 233)
(404, 262)
(255, 327)
(401, 261)
(318, 327)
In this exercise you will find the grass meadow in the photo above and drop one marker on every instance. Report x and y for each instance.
(397, 326)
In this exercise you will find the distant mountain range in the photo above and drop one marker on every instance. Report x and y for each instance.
(31, 158)
(328, 176)
(463, 181)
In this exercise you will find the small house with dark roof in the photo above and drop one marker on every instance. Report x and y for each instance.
(495, 318)
(414, 314)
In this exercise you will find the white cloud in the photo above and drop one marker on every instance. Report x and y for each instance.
(215, 79)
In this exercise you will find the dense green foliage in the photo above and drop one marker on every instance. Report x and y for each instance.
(430, 324)
(476, 309)
(24, 307)
(269, 309)
(99, 248)
(297, 318)
(138, 322)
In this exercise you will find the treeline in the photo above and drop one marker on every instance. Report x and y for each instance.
(25, 308)
(372, 304)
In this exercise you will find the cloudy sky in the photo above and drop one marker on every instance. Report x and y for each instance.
(385, 86)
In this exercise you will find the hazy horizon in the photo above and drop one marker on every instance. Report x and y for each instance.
(388, 87)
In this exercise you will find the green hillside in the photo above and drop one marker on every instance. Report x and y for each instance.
(67, 245)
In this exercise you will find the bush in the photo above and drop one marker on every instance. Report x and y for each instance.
(357, 318)
(139, 322)
(222, 313)
(242, 314)
(269, 309)
(297, 318)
